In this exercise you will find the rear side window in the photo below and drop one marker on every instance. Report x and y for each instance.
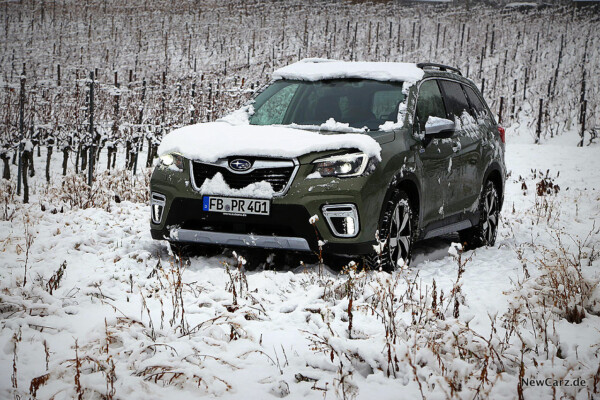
(475, 101)
(454, 98)
(430, 102)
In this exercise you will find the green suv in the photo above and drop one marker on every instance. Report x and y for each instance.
(357, 159)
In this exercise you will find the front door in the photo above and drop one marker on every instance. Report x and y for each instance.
(436, 155)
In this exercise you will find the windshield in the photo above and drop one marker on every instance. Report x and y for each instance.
(358, 102)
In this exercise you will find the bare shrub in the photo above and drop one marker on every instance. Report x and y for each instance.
(562, 285)
(56, 277)
(109, 187)
(7, 197)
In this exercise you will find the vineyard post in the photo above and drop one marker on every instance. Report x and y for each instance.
(525, 85)
(437, 38)
(27, 154)
(21, 131)
(140, 119)
(481, 62)
(462, 38)
(583, 115)
(560, 54)
(514, 101)
(91, 128)
(538, 131)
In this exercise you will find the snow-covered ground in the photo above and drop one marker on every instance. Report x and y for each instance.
(127, 320)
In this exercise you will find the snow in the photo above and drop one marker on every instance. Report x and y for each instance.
(436, 121)
(213, 140)
(119, 295)
(319, 69)
(331, 125)
(217, 186)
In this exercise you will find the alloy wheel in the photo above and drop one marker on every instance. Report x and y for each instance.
(400, 235)
(490, 215)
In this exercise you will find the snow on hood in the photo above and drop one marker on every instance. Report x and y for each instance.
(315, 69)
(213, 140)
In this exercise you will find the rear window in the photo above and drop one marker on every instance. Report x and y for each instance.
(454, 98)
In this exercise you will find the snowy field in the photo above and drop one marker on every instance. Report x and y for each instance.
(91, 307)
(90, 304)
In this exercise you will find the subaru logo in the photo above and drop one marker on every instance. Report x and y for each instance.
(240, 165)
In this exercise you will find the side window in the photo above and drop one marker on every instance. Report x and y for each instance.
(478, 107)
(273, 110)
(429, 103)
(454, 98)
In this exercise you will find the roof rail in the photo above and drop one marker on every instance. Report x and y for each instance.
(441, 67)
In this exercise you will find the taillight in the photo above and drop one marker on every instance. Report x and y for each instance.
(502, 134)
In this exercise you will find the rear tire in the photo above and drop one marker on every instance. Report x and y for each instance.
(397, 228)
(484, 233)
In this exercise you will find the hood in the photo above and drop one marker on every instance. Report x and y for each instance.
(214, 140)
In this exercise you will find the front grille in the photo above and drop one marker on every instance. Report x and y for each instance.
(278, 177)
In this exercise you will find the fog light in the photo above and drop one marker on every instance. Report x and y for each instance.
(342, 219)
(349, 224)
(157, 206)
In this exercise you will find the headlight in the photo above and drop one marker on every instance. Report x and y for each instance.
(344, 166)
(172, 159)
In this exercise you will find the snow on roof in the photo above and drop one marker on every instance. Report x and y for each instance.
(213, 140)
(315, 69)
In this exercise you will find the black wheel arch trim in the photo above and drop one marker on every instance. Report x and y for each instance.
(396, 182)
(492, 168)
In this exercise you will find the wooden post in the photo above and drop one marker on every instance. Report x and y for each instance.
(500, 110)
(525, 85)
(481, 62)
(583, 115)
(514, 101)
(91, 131)
(560, 54)
(140, 119)
(49, 149)
(538, 131)
(21, 132)
(25, 160)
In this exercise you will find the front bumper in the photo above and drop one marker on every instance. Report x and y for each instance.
(287, 227)
(237, 239)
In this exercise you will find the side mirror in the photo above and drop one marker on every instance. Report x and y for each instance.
(439, 127)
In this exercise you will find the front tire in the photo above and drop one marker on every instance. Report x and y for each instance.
(398, 226)
(485, 232)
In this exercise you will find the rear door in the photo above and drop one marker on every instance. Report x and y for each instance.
(435, 155)
(463, 191)
(486, 126)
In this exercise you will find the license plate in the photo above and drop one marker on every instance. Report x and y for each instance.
(237, 206)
